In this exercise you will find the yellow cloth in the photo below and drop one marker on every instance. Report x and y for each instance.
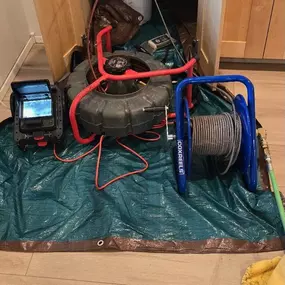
(266, 272)
(278, 275)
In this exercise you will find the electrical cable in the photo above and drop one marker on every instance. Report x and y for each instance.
(100, 145)
(155, 139)
(89, 38)
(70, 160)
(100, 188)
(167, 31)
(89, 42)
(161, 125)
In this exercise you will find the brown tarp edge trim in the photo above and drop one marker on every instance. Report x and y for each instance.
(225, 245)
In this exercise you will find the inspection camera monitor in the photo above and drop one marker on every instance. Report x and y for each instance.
(37, 109)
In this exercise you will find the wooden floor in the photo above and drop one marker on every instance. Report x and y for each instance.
(148, 268)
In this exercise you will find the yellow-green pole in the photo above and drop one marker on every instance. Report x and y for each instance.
(272, 177)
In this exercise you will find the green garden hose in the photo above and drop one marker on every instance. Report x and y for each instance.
(272, 177)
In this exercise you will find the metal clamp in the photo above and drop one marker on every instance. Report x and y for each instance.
(169, 136)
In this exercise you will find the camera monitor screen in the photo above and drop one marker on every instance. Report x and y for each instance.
(37, 108)
(31, 88)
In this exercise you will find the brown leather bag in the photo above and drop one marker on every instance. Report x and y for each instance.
(123, 18)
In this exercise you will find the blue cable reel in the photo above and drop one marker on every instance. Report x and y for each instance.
(246, 112)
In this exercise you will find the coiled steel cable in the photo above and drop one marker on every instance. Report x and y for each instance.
(218, 136)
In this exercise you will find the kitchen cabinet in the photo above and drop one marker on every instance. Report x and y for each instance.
(209, 26)
(240, 29)
(62, 24)
(275, 45)
(245, 28)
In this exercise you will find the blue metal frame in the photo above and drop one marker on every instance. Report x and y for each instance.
(189, 137)
(246, 145)
(179, 108)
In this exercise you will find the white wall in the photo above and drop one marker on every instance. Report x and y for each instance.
(31, 16)
(14, 34)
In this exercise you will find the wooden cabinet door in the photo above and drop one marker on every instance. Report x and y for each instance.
(209, 34)
(245, 28)
(275, 45)
(62, 24)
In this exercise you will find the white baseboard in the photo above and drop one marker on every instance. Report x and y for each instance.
(15, 69)
(39, 39)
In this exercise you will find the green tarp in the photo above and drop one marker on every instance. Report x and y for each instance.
(47, 205)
